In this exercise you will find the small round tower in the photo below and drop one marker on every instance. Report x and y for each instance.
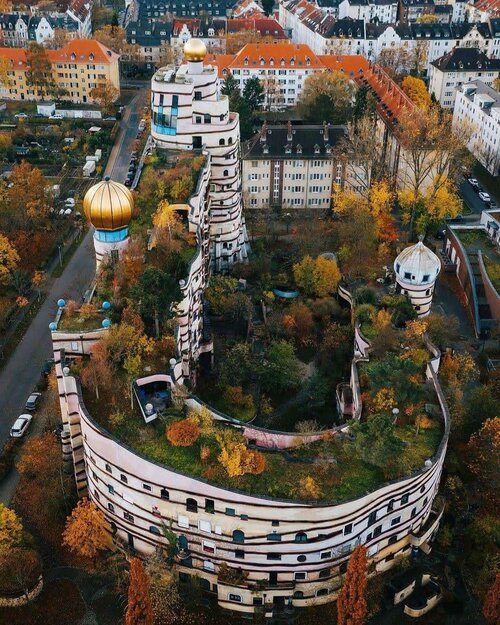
(416, 269)
(108, 206)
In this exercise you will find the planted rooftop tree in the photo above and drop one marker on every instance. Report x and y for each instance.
(155, 291)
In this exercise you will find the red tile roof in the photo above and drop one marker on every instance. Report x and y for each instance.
(264, 25)
(75, 51)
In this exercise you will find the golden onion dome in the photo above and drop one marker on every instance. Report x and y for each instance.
(108, 205)
(195, 50)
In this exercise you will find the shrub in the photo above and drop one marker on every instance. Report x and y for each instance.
(204, 453)
(365, 295)
(234, 395)
(365, 313)
(87, 311)
(309, 487)
(183, 433)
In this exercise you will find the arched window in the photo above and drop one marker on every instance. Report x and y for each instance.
(164, 493)
(238, 536)
(301, 537)
(321, 592)
(230, 141)
(155, 530)
(222, 142)
(225, 173)
(191, 505)
(182, 542)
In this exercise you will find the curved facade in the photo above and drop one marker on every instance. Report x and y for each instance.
(189, 113)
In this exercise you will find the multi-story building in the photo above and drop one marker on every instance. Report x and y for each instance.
(157, 10)
(189, 113)
(295, 166)
(379, 11)
(458, 67)
(419, 44)
(477, 113)
(77, 69)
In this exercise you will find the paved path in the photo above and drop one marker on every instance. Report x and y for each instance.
(21, 373)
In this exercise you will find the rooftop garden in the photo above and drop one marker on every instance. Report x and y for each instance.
(278, 362)
(477, 239)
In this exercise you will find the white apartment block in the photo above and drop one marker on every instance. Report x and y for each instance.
(381, 11)
(458, 67)
(477, 110)
(295, 166)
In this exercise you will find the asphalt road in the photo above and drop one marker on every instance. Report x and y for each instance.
(472, 199)
(22, 371)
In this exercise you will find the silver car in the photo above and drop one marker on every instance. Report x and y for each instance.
(21, 425)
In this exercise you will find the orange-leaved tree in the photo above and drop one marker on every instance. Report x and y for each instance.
(183, 433)
(139, 608)
(351, 603)
(491, 605)
(86, 532)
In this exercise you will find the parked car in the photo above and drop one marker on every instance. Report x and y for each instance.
(457, 218)
(56, 117)
(440, 234)
(128, 182)
(32, 401)
(485, 197)
(21, 116)
(473, 183)
(21, 425)
(134, 154)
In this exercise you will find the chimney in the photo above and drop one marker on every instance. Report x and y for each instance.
(263, 132)
(289, 132)
(325, 132)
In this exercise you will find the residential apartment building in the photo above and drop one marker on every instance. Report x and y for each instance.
(460, 66)
(420, 43)
(477, 111)
(377, 11)
(296, 166)
(78, 68)
(189, 113)
(412, 10)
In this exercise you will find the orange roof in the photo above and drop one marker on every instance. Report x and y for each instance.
(75, 51)
(264, 25)
(267, 55)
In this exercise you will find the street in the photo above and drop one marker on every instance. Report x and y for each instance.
(22, 371)
(471, 198)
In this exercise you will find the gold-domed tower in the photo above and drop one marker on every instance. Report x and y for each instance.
(108, 206)
(195, 50)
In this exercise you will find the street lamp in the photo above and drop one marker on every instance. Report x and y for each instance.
(288, 219)
(395, 413)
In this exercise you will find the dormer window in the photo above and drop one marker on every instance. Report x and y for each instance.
(299, 149)
(282, 62)
(73, 56)
(91, 57)
(245, 61)
(271, 61)
(262, 61)
(265, 148)
(316, 149)
(292, 61)
(288, 149)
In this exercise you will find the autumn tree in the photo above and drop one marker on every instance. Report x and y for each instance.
(87, 532)
(155, 291)
(427, 18)
(167, 221)
(235, 457)
(139, 610)
(11, 528)
(317, 277)
(20, 570)
(395, 61)
(377, 444)
(97, 372)
(27, 201)
(183, 433)
(114, 38)
(309, 487)
(431, 158)
(39, 73)
(37, 457)
(327, 96)
(9, 259)
(416, 90)
(491, 605)
(351, 603)
(298, 322)
(105, 94)
(5, 67)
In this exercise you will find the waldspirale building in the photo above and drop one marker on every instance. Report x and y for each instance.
(189, 113)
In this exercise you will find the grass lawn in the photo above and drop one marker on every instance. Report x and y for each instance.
(75, 323)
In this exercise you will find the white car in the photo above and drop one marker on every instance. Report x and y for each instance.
(21, 425)
(69, 201)
(21, 116)
(484, 196)
(56, 117)
(473, 182)
(68, 211)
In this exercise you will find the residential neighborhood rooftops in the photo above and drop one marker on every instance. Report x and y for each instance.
(465, 59)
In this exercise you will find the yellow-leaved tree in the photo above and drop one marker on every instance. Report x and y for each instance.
(11, 528)
(87, 531)
(416, 90)
(317, 277)
(9, 259)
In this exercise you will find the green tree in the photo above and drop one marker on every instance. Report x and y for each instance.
(375, 442)
(280, 368)
(229, 85)
(253, 93)
(237, 366)
(327, 96)
(268, 6)
(155, 292)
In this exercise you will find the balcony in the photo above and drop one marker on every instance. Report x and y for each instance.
(421, 538)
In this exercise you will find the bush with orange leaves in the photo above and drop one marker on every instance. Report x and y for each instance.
(235, 457)
(183, 433)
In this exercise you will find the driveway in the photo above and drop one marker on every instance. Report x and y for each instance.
(22, 371)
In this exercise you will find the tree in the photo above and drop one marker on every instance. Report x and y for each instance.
(431, 158)
(105, 94)
(139, 610)
(491, 605)
(87, 531)
(253, 93)
(20, 570)
(28, 201)
(351, 603)
(37, 457)
(220, 294)
(39, 74)
(97, 372)
(229, 85)
(114, 38)
(364, 104)
(11, 528)
(299, 323)
(183, 433)
(309, 486)
(9, 259)
(376, 443)
(155, 292)
(279, 369)
(427, 18)
(484, 455)
(416, 90)
(268, 6)
(327, 96)
(167, 219)
(395, 61)
(37, 280)
(318, 277)
(5, 67)
(235, 457)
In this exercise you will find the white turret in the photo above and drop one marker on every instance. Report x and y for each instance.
(417, 268)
